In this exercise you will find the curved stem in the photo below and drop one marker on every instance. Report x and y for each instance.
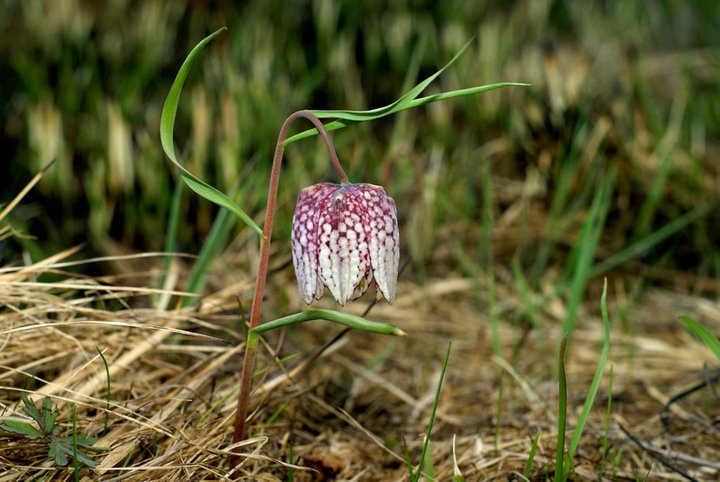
(249, 357)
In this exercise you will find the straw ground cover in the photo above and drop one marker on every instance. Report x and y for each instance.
(513, 207)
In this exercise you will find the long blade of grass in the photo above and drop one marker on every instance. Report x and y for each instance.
(703, 333)
(344, 122)
(107, 399)
(527, 472)
(400, 104)
(592, 391)
(606, 435)
(426, 444)
(562, 411)
(167, 126)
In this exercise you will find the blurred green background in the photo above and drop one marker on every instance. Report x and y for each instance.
(620, 126)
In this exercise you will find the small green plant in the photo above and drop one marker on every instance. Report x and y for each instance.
(59, 448)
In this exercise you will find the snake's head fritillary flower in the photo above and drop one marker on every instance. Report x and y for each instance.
(345, 237)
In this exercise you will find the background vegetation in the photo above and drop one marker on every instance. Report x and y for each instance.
(607, 165)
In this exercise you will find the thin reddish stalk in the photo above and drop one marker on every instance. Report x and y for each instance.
(249, 357)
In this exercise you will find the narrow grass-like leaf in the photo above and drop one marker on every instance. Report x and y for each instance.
(381, 112)
(408, 459)
(426, 444)
(22, 428)
(167, 126)
(562, 411)
(107, 393)
(277, 412)
(703, 333)
(527, 472)
(592, 391)
(402, 102)
(428, 469)
(608, 413)
(352, 321)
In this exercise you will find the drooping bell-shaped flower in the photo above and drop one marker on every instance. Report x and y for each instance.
(344, 236)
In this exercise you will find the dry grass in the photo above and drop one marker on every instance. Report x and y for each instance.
(349, 411)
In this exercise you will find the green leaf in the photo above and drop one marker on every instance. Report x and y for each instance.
(23, 428)
(30, 409)
(58, 452)
(339, 124)
(398, 105)
(352, 321)
(48, 416)
(167, 127)
(82, 441)
(703, 333)
(344, 118)
(594, 385)
(61, 448)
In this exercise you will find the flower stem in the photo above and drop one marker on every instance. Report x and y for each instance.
(249, 357)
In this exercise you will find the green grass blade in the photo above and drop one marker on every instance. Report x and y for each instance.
(527, 472)
(277, 412)
(167, 126)
(352, 321)
(606, 435)
(344, 122)
(426, 444)
(592, 392)
(562, 411)
(703, 333)
(398, 105)
(408, 459)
